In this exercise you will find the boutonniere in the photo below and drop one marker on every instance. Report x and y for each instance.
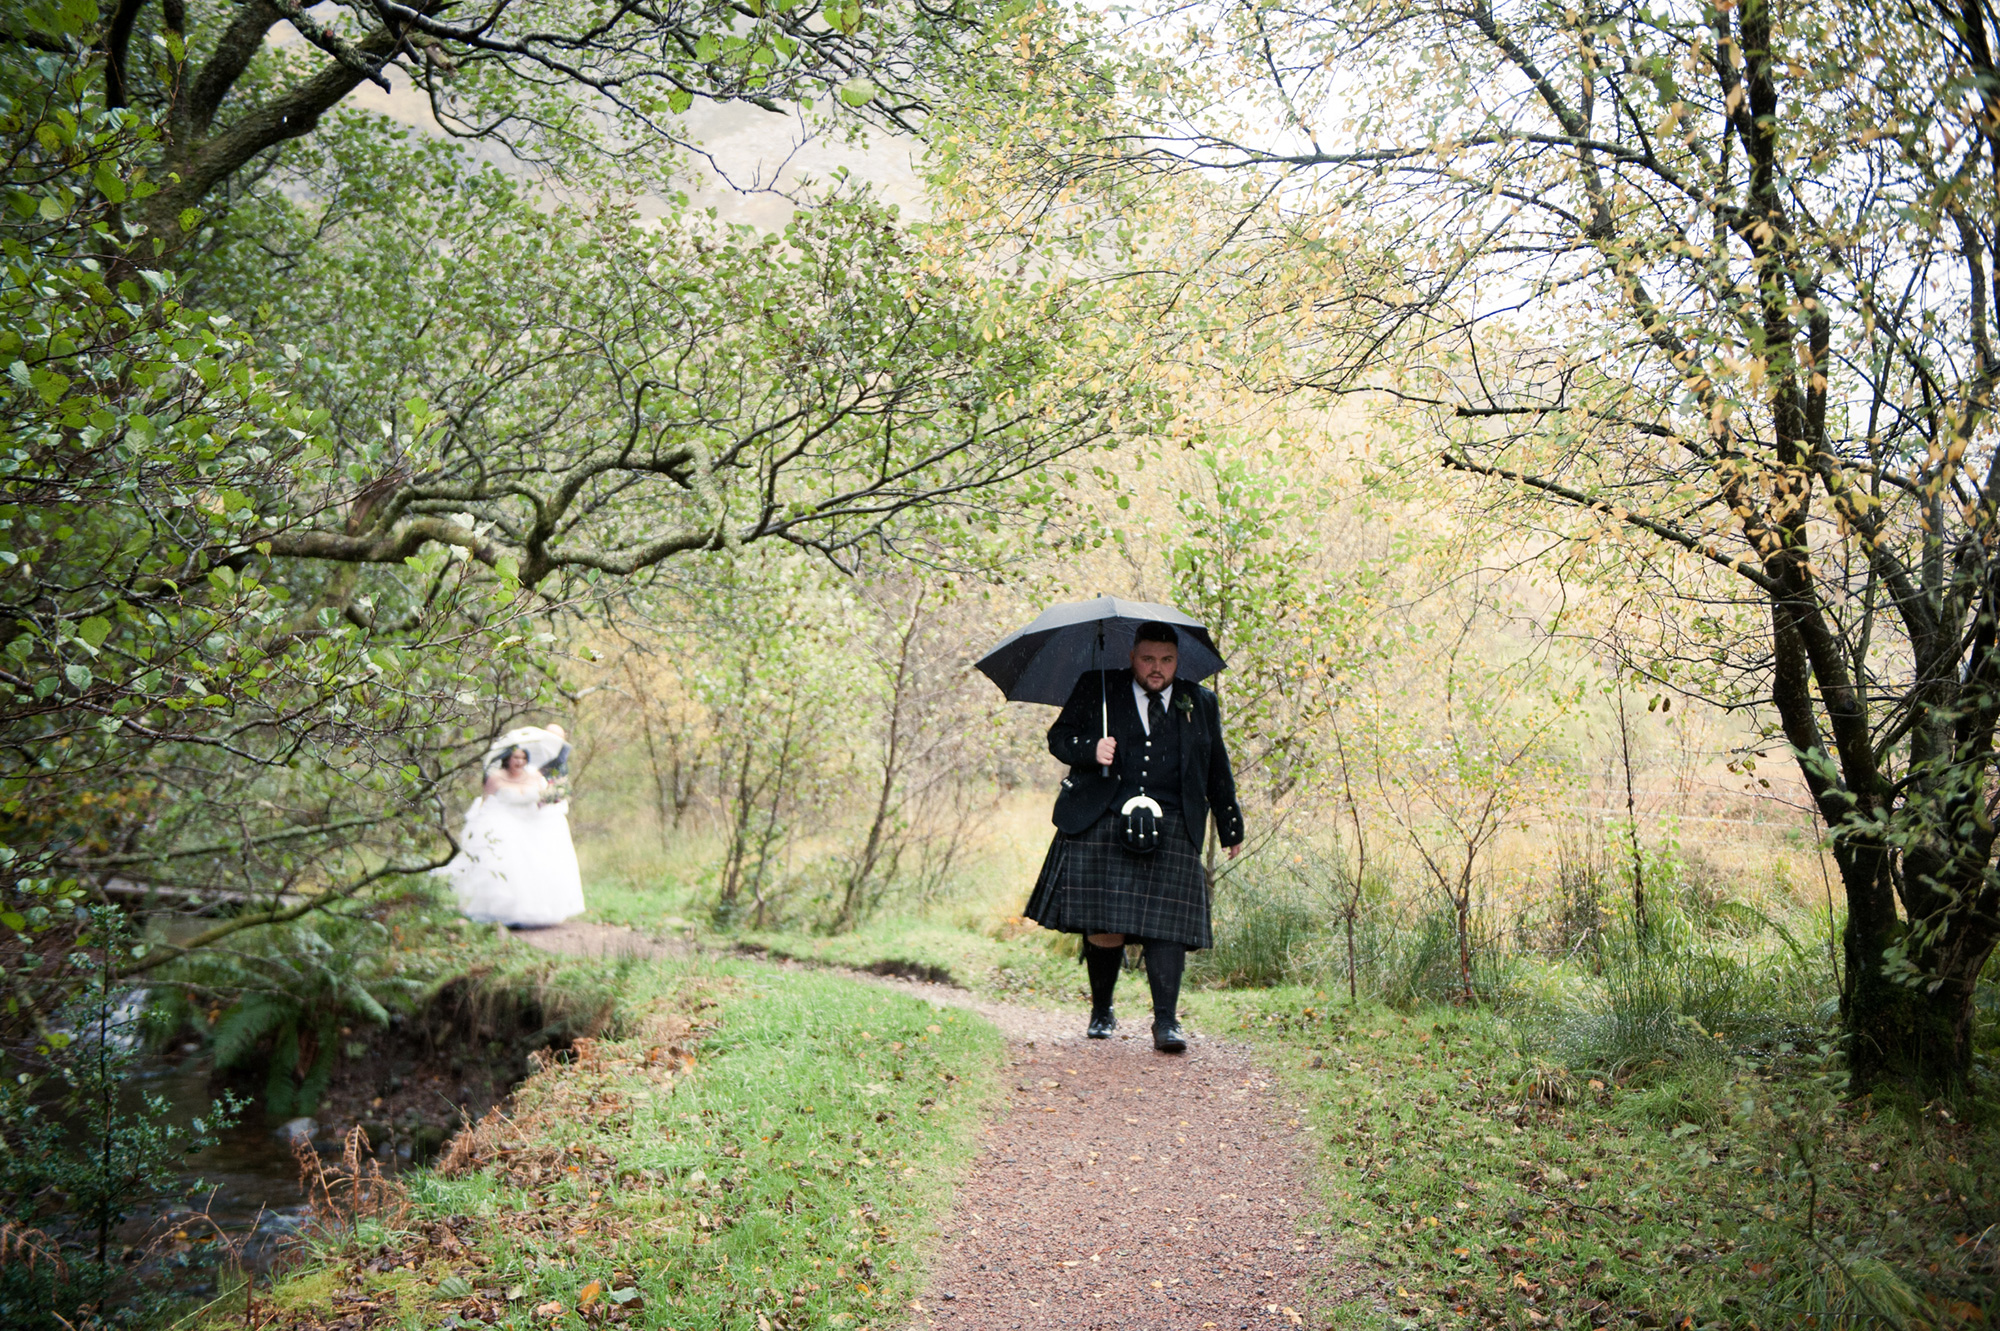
(1184, 704)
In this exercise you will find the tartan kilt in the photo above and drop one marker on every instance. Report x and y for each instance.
(1091, 884)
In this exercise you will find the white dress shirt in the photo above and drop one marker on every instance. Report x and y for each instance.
(1139, 697)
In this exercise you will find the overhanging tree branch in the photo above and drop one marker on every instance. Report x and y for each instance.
(1740, 565)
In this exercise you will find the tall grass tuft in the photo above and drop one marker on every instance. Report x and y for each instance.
(1685, 1008)
(1268, 924)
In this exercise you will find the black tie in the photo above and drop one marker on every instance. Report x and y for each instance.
(1156, 710)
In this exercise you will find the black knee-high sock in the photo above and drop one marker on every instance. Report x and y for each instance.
(1164, 964)
(1103, 963)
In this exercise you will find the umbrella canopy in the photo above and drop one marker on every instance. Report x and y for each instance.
(1042, 662)
(544, 748)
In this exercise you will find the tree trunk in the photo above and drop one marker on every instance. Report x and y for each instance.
(778, 783)
(892, 768)
(1354, 889)
(661, 803)
(1917, 1034)
(1639, 926)
(1906, 1035)
(1462, 921)
(739, 841)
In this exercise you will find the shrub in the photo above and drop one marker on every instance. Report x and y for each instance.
(1270, 927)
(80, 1152)
(281, 997)
(1661, 1011)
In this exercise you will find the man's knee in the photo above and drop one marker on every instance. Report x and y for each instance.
(1107, 940)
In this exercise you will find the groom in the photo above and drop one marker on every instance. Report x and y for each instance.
(1164, 743)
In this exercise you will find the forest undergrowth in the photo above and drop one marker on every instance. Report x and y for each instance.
(743, 1147)
(1489, 1186)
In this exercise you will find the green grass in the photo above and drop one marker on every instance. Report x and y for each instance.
(649, 908)
(789, 1179)
(994, 957)
(1490, 1186)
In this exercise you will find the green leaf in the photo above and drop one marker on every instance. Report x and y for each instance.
(94, 630)
(78, 676)
(858, 92)
(13, 920)
(679, 100)
(51, 385)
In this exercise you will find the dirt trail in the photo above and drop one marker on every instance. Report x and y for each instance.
(612, 942)
(1119, 1188)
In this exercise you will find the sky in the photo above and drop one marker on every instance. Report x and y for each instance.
(759, 155)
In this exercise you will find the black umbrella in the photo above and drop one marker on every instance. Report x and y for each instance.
(1042, 662)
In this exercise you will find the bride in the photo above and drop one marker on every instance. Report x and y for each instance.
(515, 864)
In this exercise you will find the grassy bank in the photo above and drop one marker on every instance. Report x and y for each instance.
(1018, 963)
(1489, 1186)
(974, 941)
(745, 1148)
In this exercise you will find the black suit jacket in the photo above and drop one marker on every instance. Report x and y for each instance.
(1206, 781)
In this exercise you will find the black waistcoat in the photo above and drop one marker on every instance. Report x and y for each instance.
(1153, 763)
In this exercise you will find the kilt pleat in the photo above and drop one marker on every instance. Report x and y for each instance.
(1091, 884)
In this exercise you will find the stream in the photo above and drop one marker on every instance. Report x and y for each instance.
(249, 1178)
(249, 1196)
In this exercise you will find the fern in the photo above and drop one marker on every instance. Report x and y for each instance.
(288, 988)
(245, 1025)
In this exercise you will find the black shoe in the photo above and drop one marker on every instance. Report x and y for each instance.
(1167, 1037)
(1102, 1024)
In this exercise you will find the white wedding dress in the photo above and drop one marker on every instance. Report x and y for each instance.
(515, 863)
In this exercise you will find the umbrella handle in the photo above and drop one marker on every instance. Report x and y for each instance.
(1103, 698)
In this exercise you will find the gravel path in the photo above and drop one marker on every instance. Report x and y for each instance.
(1119, 1187)
(1125, 1188)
